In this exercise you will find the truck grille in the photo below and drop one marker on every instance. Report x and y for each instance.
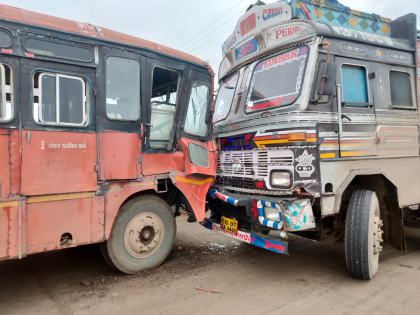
(255, 164)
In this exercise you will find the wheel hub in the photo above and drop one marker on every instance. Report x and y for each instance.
(144, 234)
(377, 235)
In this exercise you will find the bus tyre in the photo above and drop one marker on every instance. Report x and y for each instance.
(363, 235)
(142, 235)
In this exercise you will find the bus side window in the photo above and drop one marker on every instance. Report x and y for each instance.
(400, 86)
(122, 89)
(6, 93)
(163, 103)
(60, 99)
(355, 86)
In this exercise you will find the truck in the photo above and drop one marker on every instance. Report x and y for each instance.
(317, 125)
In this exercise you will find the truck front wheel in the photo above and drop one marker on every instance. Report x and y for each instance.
(142, 235)
(363, 235)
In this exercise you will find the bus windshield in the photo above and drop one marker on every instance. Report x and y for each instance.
(270, 87)
(225, 98)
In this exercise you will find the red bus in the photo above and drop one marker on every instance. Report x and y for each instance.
(100, 133)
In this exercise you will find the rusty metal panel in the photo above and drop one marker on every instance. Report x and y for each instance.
(119, 155)
(4, 231)
(48, 221)
(14, 147)
(4, 166)
(13, 232)
(58, 162)
(98, 219)
(161, 163)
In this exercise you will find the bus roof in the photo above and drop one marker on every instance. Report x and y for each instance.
(85, 29)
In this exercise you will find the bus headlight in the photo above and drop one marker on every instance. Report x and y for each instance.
(281, 178)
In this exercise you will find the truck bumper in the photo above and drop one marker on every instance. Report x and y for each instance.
(257, 239)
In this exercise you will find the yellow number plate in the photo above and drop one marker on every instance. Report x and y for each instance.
(229, 225)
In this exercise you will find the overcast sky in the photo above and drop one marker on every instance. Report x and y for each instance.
(174, 22)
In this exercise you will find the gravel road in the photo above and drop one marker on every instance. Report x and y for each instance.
(312, 280)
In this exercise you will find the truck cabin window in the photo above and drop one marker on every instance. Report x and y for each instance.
(401, 93)
(6, 93)
(225, 98)
(122, 89)
(60, 99)
(195, 122)
(355, 84)
(163, 105)
(269, 86)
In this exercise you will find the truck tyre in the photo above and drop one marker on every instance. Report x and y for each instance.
(363, 235)
(142, 235)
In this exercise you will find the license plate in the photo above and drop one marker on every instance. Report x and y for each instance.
(229, 225)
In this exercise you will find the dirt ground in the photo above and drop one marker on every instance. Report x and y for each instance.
(312, 280)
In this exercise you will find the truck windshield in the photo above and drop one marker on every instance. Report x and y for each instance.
(277, 80)
(225, 98)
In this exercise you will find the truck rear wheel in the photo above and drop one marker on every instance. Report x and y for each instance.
(142, 235)
(363, 235)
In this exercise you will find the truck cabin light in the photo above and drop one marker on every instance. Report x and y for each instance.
(281, 179)
(300, 136)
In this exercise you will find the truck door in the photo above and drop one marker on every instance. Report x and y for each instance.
(358, 113)
(394, 90)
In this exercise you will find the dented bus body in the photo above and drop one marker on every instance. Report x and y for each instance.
(100, 133)
(318, 128)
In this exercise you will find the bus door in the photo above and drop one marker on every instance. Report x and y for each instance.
(166, 92)
(194, 129)
(119, 115)
(357, 110)
(59, 153)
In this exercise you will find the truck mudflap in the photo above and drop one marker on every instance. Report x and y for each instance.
(256, 239)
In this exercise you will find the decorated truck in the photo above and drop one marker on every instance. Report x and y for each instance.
(317, 125)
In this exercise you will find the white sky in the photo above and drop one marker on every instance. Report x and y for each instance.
(174, 22)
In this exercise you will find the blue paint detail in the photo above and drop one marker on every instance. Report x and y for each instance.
(237, 147)
(355, 88)
(234, 139)
(277, 247)
(341, 19)
(228, 148)
(211, 192)
(276, 225)
(230, 201)
(207, 224)
(247, 48)
(265, 222)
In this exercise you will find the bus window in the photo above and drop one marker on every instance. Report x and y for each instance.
(164, 98)
(195, 122)
(355, 87)
(122, 89)
(59, 99)
(6, 93)
(400, 85)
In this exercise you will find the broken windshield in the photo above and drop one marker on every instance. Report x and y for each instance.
(277, 80)
(225, 98)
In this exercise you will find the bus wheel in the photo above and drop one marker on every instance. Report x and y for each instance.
(363, 235)
(142, 235)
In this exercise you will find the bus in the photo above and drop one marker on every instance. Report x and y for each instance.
(318, 128)
(100, 134)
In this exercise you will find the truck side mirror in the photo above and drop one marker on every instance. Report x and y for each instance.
(329, 84)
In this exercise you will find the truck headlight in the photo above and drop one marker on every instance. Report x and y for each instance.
(281, 178)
